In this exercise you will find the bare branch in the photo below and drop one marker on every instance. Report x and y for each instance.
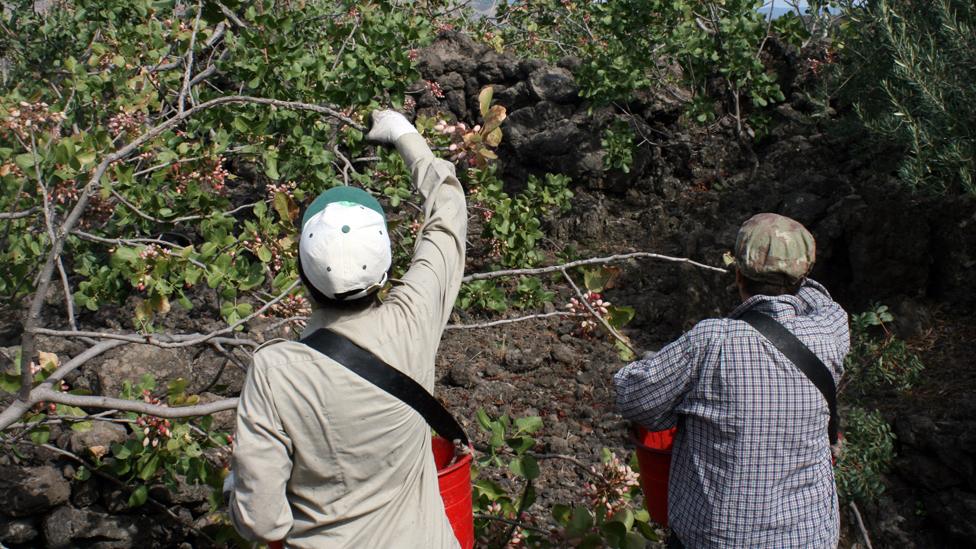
(591, 261)
(188, 61)
(229, 14)
(586, 303)
(85, 401)
(18, 215)
(135, 209)
(133, 242)
(69, 302)
(557, 314)
(575, 461)
(860, 525)
(19, 407)
(165, 341)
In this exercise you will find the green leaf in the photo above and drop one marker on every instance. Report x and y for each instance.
(579, 523)
(633, 540)
(40, 435)
(484, 100)
(614, 532)
(81, 426)
(497, 435)
(139, 496)
(626, 517)
(519, 445)
(120, 451)
(10, 383)
(623, 352)
(528, 424)
(149, 468)
(489, 489)
(82, 473)
(483, 419)
(516, 467)
(264, 254)
(600, 279)
(530, 468)
(562, 513)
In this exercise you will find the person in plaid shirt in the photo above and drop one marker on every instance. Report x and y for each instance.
(751, 464)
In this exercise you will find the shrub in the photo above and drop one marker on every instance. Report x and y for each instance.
(627, 45)
(867, 455)
(912, 68)
(878, 358)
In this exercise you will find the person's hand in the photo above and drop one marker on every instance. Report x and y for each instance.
(388, 126)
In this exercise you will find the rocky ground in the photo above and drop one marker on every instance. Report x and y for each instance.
(686, 194)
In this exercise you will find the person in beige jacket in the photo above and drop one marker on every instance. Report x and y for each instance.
(324, 458)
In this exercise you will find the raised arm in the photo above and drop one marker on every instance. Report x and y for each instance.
(425, 294)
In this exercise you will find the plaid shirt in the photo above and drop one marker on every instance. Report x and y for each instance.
(751, 464)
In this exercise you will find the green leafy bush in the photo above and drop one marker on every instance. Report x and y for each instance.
(628, 45)
(911, 67)
(504, 517)
(878, 357)
(618, 142)
(91, 76)
(867, 453)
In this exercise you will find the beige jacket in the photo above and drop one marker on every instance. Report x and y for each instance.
(323, 457)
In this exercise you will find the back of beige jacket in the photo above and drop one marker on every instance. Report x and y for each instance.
(323, 457)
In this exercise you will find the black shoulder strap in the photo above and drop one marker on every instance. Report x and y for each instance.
(371, 368)
(801, 356)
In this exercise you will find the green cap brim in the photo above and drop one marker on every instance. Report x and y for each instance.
(342, 194)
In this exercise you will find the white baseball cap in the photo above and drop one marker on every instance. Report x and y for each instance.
(344, 248)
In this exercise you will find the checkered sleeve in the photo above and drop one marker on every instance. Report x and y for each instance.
(649, 390)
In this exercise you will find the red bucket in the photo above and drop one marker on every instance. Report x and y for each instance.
(454, 482)
(654, 459)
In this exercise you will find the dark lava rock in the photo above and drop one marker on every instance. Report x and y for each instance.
(183, 493)
(17, 531)
(955, 511)
(70, 527)
(564, 354)
(28, 490)
(464, 374)
(554, 84)
(101, 435)
(84, 493)
(518, 361)
(131, 362)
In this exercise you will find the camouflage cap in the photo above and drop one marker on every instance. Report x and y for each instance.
(772, 247)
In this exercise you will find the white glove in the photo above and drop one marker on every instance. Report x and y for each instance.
(388, 126)
(228, 485)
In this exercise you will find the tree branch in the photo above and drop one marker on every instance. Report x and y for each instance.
(586, 303)
(230, 15)
(860, 525)
(32, 315)
(165, 341)
(121, 404)
(19, 407)
(18, 215)
(591, 261)
(188, 62)
(557, 314)
(132, 242)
